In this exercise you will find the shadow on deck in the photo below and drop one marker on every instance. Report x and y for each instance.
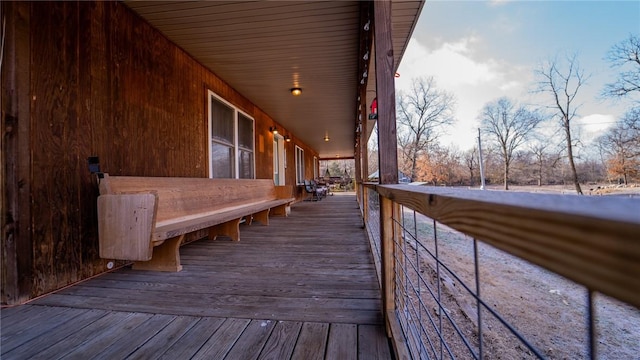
(302, 288)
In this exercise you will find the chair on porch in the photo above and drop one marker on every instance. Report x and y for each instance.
(315, 194)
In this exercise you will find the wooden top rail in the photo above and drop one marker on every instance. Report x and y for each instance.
(594, 241)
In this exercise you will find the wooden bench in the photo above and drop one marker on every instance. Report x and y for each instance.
(145, 219)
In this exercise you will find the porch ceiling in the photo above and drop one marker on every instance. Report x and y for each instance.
(265, 48)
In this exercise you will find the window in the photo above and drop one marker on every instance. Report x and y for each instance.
(299, 166)
(231, 141)
(315, 167)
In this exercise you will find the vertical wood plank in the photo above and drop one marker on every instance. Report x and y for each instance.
(252, 340)
(188, 345)
(372, 343)
(217, 345)
(282, 341)
(17, 272)
(312, 342)
(343, 342)
(385, 94)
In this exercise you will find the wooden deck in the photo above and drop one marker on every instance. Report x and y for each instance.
(302, 288)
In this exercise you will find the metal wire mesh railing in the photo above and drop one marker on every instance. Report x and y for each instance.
(439, 307)
(456, 297)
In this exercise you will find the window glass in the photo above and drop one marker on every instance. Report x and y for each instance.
(299, 166)
(222, 160)
(222, 119)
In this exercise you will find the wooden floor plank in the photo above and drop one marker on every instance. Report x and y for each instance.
(101, 340)
(302, 288)
(372, 344)
(50, 337)
(251, 341)
(164, 339)
(342, 342)
(312, 342)
(219, 344)
(46, 319)
(193, 340)
(82, 335)
(282, 341)
(143, 332)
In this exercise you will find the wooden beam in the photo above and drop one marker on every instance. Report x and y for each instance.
(385, 90)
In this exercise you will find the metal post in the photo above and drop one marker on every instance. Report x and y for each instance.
(480, 161)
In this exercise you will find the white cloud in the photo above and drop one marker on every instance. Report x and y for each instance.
(590, 127)
(596, 123)
(474, 82)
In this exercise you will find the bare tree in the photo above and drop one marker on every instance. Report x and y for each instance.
(544, 159)
(470, 158)
(508, 126)
(626, 56)
(421, 115)
(563, 86)
(622, 145)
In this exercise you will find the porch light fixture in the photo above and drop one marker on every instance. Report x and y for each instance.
(273, 129)
(296, 91)
(287, 138)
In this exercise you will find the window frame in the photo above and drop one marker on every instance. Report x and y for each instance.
(299, 165)
(236, 147)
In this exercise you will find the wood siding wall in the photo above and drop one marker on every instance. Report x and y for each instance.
(100, 82)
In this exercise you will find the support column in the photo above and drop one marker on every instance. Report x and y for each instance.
(385, 94)
(387, 147)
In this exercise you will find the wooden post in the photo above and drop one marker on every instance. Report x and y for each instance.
(387, 249)
(387, 146)
(385, 90)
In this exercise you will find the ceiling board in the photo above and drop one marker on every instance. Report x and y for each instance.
(264, 48)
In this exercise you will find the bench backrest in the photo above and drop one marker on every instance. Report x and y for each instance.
(186, 196)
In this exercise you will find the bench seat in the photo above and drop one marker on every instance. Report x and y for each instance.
(145, 219)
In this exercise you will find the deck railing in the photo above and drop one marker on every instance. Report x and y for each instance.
(440, 253)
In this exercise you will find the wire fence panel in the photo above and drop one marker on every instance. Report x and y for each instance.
(459, 298)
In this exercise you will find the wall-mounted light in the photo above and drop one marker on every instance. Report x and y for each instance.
(273, 129)
(287, 138)
(296, 91)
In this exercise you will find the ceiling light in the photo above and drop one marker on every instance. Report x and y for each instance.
(326, 138)
(296, 91)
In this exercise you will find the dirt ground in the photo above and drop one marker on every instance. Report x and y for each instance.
(548, 310)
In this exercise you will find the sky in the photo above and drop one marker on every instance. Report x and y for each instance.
(482, 50)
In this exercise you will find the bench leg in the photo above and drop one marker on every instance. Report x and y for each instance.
(262, 216)
(230, 229)
(282, 210)
(166, 257)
